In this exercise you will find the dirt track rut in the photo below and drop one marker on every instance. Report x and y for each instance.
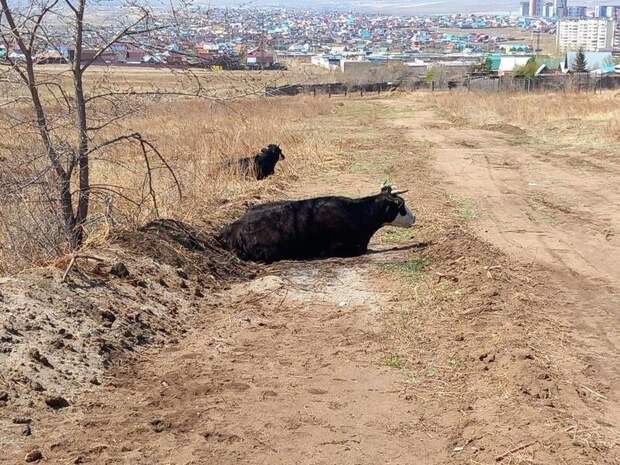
(558, 209)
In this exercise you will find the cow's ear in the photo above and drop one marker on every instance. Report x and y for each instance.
(385, 189)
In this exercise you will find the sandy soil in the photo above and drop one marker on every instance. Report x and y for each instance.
(557, 209)
(470, 339)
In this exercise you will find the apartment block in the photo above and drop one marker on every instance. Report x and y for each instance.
(591, 34)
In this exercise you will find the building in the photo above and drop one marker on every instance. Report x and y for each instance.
(609, 11)
(547, 11)
(577, 11)
(591, 34)
(560, 8)
(535, 7)
(601, 62)
(525, 8)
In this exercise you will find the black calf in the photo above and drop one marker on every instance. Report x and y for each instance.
(263, 164)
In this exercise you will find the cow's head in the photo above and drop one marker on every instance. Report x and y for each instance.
(274, 151)
(396, 211)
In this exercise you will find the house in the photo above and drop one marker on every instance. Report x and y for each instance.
(260, 58)
(505, 64)
(50, 57)
(135, 56)
(330, 62)
(93, 56)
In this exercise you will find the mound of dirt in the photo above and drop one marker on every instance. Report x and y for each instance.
(181, 245)
(59, 334)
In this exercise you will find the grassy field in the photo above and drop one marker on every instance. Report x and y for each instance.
(589, 123)
(194, 135)
(472, 354)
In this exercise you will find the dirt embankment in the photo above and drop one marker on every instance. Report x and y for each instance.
(63, 327)
(437, 347)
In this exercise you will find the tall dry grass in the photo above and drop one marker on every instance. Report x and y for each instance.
(578, 118)
(194, 136)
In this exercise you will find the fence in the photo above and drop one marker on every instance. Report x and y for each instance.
(334, 88)
(552, 83)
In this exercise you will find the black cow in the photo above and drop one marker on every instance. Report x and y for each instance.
(263, 164)
(314, 228)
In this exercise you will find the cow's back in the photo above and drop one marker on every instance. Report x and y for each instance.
(265, 233)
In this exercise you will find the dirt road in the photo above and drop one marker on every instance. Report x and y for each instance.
(486, 335)
(558, 209)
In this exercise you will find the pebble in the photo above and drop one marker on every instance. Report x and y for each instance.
(107, 315)
(37, 387)
(37, 357)
(57, 402)
(21, 420)
(4, 396)
(119, 270)
(34, 456)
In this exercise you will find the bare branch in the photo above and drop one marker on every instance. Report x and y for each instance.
(149, 175)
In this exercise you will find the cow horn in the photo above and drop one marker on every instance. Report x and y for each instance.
(400, 192)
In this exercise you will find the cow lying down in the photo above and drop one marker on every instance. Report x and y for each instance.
(260, 166)
(314, 228)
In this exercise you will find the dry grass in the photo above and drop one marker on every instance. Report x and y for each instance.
(223, 83)
(194, 136)
(570, 119)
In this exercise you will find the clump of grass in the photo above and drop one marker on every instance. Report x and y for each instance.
(363, 162)
(465, 207)
(394, 236)
(411, 268)
(394, 361)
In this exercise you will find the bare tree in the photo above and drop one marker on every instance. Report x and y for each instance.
(72, 123)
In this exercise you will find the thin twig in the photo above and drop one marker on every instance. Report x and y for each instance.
(71, 263)
(499, 458)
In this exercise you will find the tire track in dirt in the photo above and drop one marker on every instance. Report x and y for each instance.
(575, 235)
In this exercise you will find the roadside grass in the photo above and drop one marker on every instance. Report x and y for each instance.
(394, 235)
(410, 269)
(195, 137)
(563, 122)
(422, 144)
(380, 165)
(394, 361)
(465, 207)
